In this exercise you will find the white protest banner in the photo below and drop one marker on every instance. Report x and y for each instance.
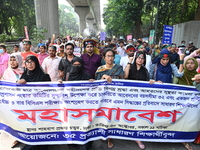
(78, 112)
(77, 51)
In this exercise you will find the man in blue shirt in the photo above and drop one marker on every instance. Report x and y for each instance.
(40, 44)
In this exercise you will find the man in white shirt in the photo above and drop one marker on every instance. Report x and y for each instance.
(121, 50)
(71, 40)
(21, 44)
(16, 49)
(130, 51)
(50, 64)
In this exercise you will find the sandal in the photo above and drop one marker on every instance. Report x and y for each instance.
(15, 144)
(110, 143)
(187, 146)
(140, 144)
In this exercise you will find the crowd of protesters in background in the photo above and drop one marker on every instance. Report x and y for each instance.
(134, 59)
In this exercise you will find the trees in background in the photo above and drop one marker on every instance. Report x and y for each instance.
(124, 16)
(14, 15)
(138, 17)
(68, 21)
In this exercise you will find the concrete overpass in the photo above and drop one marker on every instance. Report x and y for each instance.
(89, 13)
(47, 15)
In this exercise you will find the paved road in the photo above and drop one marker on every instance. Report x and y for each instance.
(6, 142)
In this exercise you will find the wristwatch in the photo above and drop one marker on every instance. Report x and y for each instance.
(128, 63)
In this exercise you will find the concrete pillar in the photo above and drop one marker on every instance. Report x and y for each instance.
(95, 10)
(95, 28)
(46, 12)
(90, 22)
(82, 11)
(53, 17)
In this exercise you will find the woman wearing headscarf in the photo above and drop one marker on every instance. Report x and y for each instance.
(162, 69)
(13, 74)
(15, 69)
(77, 71)
(33, 71)
(195, 54)
(190, 67)
(109, 71)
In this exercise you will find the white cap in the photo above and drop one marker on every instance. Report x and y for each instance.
(134, 40)
(190, 42)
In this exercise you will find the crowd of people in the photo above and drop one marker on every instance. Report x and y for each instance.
(111, 59)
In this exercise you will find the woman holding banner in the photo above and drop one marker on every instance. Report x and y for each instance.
(190, 67)
(162, 69)
(77, 72)
(137, 71)
(109, 71)
(34, 73)
(13, 74)
(196, 83)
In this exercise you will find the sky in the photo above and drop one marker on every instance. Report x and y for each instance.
(63, 2)
(101, 3)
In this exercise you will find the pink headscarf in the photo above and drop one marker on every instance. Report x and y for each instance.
(11, 74)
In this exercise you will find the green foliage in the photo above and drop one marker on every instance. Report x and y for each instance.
(38, 33)
(172, 12)
(124, 17)
(68, 22)
(121, 16)
(15, 14)
(4, 37)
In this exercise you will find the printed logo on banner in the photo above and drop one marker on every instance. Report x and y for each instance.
(167, 34)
